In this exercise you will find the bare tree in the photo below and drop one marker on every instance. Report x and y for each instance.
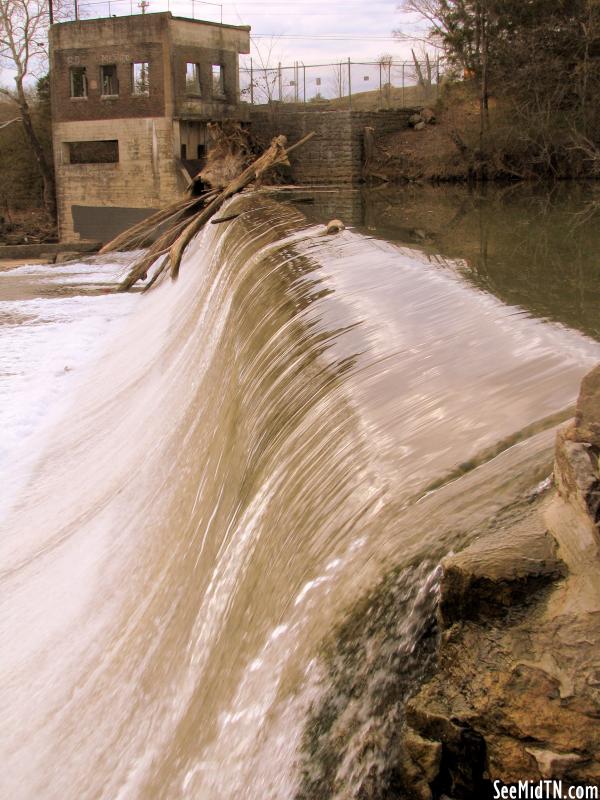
(265, 77)
(23, 52)
(386, 61)
(338, 82)
(470, 49)
(429, 11)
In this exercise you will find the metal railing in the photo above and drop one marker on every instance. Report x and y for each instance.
(360, 84)
(195, 9)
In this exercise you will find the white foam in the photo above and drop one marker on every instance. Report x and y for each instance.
(46, 345)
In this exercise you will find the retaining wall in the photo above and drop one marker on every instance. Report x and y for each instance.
(18, 251)
(336, 154)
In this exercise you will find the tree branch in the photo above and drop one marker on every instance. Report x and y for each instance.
(10, 122)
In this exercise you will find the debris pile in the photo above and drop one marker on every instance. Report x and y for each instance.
(232, 149)
(178, 223)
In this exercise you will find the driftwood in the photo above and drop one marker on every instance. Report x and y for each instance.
(232, 149)
(134, 237)
(183, 220)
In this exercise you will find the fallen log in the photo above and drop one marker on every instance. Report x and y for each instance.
(160, 247)
(131, 238)
(187, 217)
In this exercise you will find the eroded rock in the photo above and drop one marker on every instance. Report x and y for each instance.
(587, 416)
(420, 764)
(516, 695)
(335, 226)
(495, 573)
(554, 765)
(576, 471)
(62, 258)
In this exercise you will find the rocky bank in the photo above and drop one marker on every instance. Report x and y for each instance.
(516, 693)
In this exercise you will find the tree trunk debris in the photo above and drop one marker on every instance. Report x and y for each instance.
(182, 220)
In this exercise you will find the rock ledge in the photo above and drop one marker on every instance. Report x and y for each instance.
(516, 695)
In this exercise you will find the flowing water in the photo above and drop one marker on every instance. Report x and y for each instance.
(224, 501)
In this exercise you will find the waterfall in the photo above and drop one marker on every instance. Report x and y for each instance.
(208, 486)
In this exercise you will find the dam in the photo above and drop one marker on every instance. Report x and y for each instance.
(225, 501)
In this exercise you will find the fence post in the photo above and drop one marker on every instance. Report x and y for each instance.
(437, 79)
(251, 83)
(380, 86)
(296, 81)
(403, 103)
(304, 81)
(279, 81)
(349, 83)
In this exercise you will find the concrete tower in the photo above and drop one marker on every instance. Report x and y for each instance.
(131, 97)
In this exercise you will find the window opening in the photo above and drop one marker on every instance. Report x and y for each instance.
(108, 79)
(78, 82)
(140, 78)
(95, 152)
(218, 80)
(192, 78)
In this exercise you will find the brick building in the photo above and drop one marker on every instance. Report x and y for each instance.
(131, 97)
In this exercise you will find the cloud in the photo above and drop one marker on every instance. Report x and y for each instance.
(317, 31)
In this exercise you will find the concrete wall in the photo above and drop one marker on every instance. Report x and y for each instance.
(45, 250)
(335, 155)
(205, 105)
(206, 44)
(144, 178)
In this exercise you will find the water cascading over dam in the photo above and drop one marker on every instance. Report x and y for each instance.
(200, 483)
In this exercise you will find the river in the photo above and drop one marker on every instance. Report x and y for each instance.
(225, 501)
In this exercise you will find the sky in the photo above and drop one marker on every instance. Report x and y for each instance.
(314, 31)
(289, 31)
(309, 31)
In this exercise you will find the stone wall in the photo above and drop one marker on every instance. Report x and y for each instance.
(336, 154)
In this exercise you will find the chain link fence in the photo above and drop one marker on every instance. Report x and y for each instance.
(362, 85)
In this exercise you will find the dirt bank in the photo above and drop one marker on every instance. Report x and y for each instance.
(454, 145)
